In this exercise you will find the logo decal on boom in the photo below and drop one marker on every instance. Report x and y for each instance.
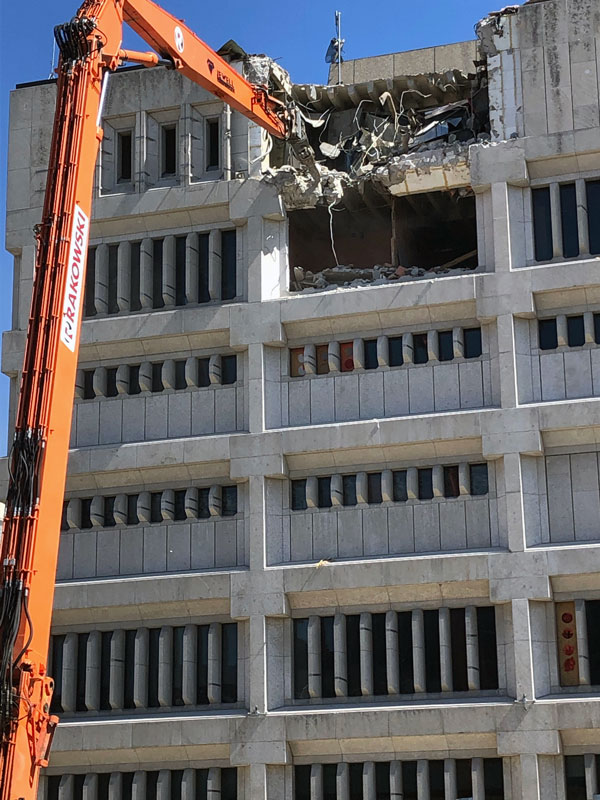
(179, 43)
(74, 285)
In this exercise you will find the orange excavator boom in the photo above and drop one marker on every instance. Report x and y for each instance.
(90, 47)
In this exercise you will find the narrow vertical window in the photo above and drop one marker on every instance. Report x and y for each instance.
(399, 484)
(229, 664)
(575, 331)
(425, 481)
(299, 495)
(349, 490)
(432, 651)
(451, 488)
(575, 777)
(479, 479)
(371, 354)
(322, 359)
(420, 354)
(407, 678)
(89, 308)
(169, 150)
(547, 334)
(302, 782)
(592, 190)
(568, 220)
(229, 783)
(202, 665)
(493, 779)
(352, 648)
(395, 351)
(300, 659)
(445, 346)
(436, 780)
(379, 655)
(458, 637)
(180, 381)
(134, 277)
(153, 648)
(472, 339)
(180, 286)
(213, 144)
(203, 509)
(592, 615)
(374, 487)
(228, 370)
(324, 492)
(203, 293)
(228, 265)
(488, 656)
(542, 224)
(157, 273)
(124, 156)
(229, 504)
(327, 670)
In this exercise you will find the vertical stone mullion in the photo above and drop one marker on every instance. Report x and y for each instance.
(582, 217)
(123, 275)
(557, 244)
(140, 668)
(342, 781)
(115, 786)
(93, 652)
(449, 779)
(366, 655)
(445, 649)
(477, 779)
(214, 265)
(314, 657)
(190, 650)
(396, 781)
(582, 643)
(188, 785)
(101, 279)
(392, 654)
(138, 786)
(423, 792)
(591, 775)
(146, 273)
(214, 662)
(89, 790)
(69, 673)
(472, 647)
(340, 659)
(418, 647)
(316, 782)
(163, 785)
(116, 683)
(192, 266)
(368, 776)
(66, 788)
(165, 666)
(213, 784)
(168, 271)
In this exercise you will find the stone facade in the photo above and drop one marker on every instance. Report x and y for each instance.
(336, 542)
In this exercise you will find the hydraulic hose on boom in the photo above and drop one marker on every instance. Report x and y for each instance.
(90, 47)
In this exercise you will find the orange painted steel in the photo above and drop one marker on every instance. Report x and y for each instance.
(90, 47)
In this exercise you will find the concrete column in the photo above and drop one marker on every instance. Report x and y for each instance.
(256, 388)
(124, 276)
(214, 265)
(69, 673)
(89, 790)
(116, 683)
(138, 786)
(445, 650)
(316, 782)
(369, 788)
(458, 344)
(340, 662)
(165, 666)
(418, 650)
(477, 779)
(257, 664)
(146, 273)
(582, 643)
(99, 382)
(342, 781)
(190, 657)
(396, 782)
(358, 353)
(93, 652)
(582, 218)
(507, 361)
(257, 782)
(314, 657)
(188, 785)
(115, 786)
(392, 654)
(383, 351)
(591, 776)
(501, 228)
(588, 326)
(557, 245)
(257, 503)
(167, 373)
(163, 785)
(422, 779)
(310, 359)
(449, 779)
(366, 655)
(530, 778)
(66, 787)
(213, 784)
(472, 648)
(337, 490)
(515, 511)
(192, 266)
(168, 271)
(140, 668)
(432, 346)
(214, 663)
(521, 623)
(101, 279)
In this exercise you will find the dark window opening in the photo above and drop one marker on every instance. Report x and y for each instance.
(169, 150)
(451, 487)
(134, 276)
(229, 501)
(228, 265)
(542, 224)
(203, 372)
(89, 308)
(479, 479)
(374, 487)
(129, 669)
(432, 651)
(153, 656)
(327, 668)
(88, 384)
(371, 361)
(178, 666)
(203, 509)
(57, 664)
(436, 780)
(228, 369)
(547, 334)
(213, 144)
(592, 190)
(157, 273)
(464, 779)
(132, 515)
(445, 346)
(346, 356)
(82, 641)
(179, 504)
(111, 382)
(395, 356)
(352, 649)
(409, 780)
(493, 779)
(180, 285)
(420, 352)
(488, 656)
(180, 381)
(64, 525)
(109, 515)
(575, 777)
(86, 507)
(597, 328)
(355, 775)
(301, 659)
(134, 379)
(157, 384)
(575, 331)
(399, 486)
(297, 362)
(458, 637)
(124, 156)
(592, 614)
(379, 655)
(203, 250)
(324, 492)
(425, 481)
(568, 220)
(405, 647)
(202, 662)
(329, 781)
(299, 495)
(113, 258)
(349, 490)
(229, 783)
(229, 663)
(382, 780)
(302, 782)
(472, 342)
(155, 507)
(322, 359)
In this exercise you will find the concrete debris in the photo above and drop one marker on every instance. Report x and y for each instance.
(345, 277)
(301, 187)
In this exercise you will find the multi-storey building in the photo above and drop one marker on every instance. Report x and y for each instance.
(332, 522)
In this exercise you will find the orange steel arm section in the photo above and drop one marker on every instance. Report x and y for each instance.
(90, 46)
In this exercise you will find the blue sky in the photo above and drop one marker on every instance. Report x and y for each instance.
(297, 34)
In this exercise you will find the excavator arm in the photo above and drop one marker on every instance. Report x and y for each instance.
(90, 47)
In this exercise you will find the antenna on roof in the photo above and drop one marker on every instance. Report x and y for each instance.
(334, 51)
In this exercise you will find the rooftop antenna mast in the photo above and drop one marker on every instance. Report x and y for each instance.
(339, 44)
